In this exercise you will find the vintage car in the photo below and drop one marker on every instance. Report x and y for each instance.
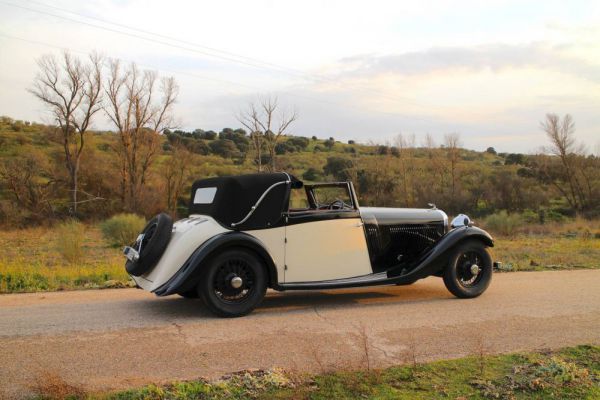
(247, 233)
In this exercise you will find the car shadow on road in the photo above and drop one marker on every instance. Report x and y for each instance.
(276, 302)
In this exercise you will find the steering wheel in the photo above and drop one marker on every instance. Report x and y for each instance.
(338, 205)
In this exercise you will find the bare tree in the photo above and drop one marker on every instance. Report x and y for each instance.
(576, 179)
(175, 173)
(405, 145)
(71, 89)
(437, 163)
(140, 113)
(452, 144)
(266, 126)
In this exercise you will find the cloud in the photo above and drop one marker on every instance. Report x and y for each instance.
(495, 57)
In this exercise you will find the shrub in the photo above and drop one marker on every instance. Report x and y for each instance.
(69, 242)
(502, 223)
(122, 229)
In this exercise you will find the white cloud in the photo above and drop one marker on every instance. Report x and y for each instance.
(355, 70)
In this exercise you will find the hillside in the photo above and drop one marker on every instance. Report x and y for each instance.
(34, 180)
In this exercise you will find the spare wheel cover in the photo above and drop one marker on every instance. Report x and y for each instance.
(157, 234)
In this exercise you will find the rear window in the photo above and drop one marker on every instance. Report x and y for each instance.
(205, 195)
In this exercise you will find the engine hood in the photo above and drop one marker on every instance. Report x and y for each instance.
(398, 216)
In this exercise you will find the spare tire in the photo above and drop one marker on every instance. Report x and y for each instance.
(157, 234)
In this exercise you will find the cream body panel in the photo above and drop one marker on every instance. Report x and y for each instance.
(273, 241)
(188, 234)
(324, 250)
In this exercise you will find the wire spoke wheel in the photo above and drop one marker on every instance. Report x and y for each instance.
(234, 281)
(469, 268)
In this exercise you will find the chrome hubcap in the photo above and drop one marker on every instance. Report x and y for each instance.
(236, 282)
(474, 269)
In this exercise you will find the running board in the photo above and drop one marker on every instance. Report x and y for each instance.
(364, 280)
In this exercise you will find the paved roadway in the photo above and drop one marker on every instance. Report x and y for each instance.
(110, 339)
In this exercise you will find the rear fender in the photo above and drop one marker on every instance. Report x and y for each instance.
(191, 272)
(436, 259)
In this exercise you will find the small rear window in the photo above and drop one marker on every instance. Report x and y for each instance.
(205, 195)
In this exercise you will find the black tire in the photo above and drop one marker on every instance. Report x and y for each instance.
(216, 290)
(157, 234)
(458, 277)
(190, 294)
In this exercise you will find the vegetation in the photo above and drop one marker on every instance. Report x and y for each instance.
(35, 188)
(78, 256)
(570, 373)
(34, 260)
(122, 229)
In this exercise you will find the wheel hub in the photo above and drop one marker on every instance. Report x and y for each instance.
(236, 282)
(475, 269)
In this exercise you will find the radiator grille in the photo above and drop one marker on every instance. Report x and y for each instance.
(390, 245)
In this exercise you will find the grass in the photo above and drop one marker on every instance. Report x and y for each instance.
(43, 259)
(538, 253)
(35, 260)
(570, 373)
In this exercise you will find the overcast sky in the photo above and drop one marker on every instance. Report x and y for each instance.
(366, 70)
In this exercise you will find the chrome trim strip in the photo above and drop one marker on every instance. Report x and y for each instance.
(260, 199)
(380, 276)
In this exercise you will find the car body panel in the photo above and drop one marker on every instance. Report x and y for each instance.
(342, 250)
(273, 240)
(187, 235)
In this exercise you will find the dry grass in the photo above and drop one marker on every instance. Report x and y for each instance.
(31, 260)
(51, 386)
(535, 252)
(34, 259)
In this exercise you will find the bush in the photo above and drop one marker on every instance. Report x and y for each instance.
(122, 229)
(502, 223)
(69, 241)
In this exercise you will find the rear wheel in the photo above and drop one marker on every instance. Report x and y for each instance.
(469, 270)
(234, 283)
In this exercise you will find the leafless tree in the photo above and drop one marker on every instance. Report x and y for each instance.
(563, 145)
(175, 173)
(140, 112)
(452, 144)
(266, 123)
(437, 164)
(71, 89)
(405, 145)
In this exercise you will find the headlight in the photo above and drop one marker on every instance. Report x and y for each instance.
(460, 220)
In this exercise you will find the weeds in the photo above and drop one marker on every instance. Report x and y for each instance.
(69, 241)
(122, 229)
(569, 373)
(31, 261)
(51, 386)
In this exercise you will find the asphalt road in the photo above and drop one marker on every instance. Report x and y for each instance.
(111, 339)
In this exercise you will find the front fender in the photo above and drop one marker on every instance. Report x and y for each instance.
(190, 273)
(435, 260)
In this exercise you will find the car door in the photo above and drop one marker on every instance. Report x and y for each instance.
(325, 245)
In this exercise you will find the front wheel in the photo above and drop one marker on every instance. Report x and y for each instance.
(469, 270)
(234, 283)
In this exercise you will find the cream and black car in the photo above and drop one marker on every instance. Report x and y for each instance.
(247, 233)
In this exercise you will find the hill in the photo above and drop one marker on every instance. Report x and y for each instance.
(34, 180)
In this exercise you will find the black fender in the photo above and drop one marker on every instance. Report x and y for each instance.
(435, 260)
(189, 274)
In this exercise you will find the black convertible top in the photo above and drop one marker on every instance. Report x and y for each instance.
(229, 199)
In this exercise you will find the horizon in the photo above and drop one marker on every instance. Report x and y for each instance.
(488, 72)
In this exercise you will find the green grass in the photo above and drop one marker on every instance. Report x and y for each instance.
(35, 259)
(570, 373)
(547, 252)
